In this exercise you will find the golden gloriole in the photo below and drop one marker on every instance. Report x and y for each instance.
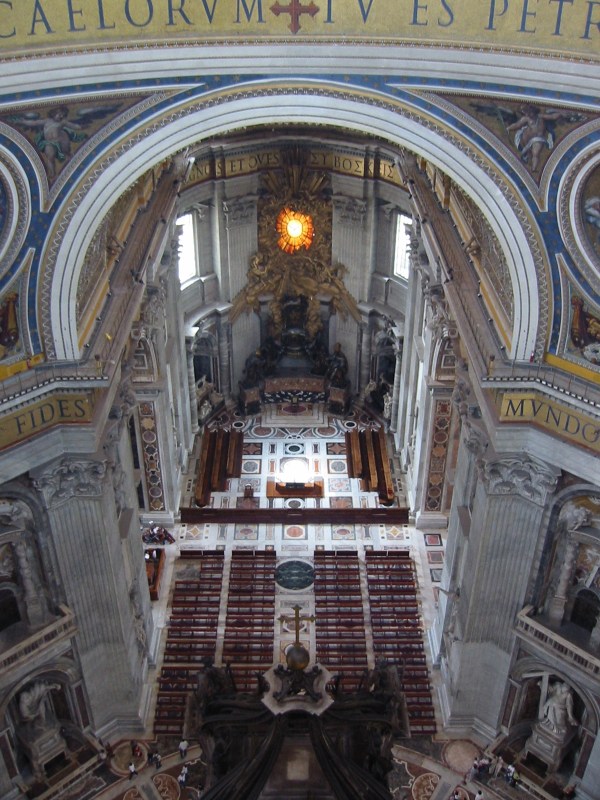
(295, 230)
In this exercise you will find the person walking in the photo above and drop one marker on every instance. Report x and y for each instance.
(183, 748)
(183, 776)
(132, 770)
(470, 776)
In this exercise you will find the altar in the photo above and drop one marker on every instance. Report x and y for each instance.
(287, 389)
(283, 489)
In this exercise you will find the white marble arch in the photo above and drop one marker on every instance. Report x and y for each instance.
(278, 107)
(396, 60)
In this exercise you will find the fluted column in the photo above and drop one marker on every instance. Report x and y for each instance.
(104, 583)
(365, 356)
(556, 610)
(396, 389)
(225, 359)
(189, 356)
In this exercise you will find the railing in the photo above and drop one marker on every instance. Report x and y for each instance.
(547, 380)
(62, 628)
(529, 628)
(58, 375)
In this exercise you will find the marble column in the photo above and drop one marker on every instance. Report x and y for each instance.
(365, 356)
(556, 609)
(396, 389)
(104, 582)
(189, 355)
(225, 358)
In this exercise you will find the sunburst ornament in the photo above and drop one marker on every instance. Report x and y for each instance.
(295, 230)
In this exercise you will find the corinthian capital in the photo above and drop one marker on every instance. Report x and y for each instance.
(240, 210)
(83, 478)
(350, 209)
(520, 476)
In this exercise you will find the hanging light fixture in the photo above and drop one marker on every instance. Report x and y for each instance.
(295, 230)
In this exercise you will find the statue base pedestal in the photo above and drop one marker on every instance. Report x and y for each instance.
(549, 746)
(339, 400)
(42, 745)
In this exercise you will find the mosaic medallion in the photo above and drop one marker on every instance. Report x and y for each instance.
(294, 449)
(294, 532)
(294, 575)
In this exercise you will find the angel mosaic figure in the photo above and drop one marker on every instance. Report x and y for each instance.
(531, 128)
(56, 132)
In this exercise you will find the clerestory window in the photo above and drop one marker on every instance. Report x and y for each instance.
(188, 256)
(402, 247)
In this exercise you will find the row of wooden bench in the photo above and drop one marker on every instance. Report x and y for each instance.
(191, 638)
(220, 458)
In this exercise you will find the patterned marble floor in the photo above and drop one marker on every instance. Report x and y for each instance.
(432, 773)
(282, 440)
(309, 435)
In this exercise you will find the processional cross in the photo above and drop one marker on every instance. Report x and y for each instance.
(297, 620)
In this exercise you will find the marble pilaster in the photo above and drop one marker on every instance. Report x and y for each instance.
(241, 226)
(224, 333)
(365, 356)
(350, 242)
(104, 583)
(189, 356)
(504, 525)
(396, 388)
(509, 505)
(410, 362)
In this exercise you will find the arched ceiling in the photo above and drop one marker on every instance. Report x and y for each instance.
(428, 107)
(156, 141)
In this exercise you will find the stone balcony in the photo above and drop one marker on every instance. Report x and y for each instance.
(568, 642)
(20, 646)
